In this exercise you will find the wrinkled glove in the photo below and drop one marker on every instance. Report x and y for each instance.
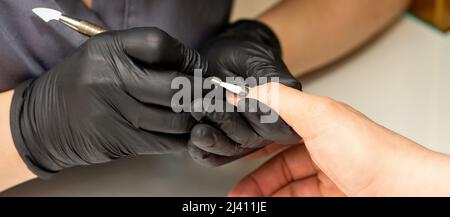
(110, 99)
(245, 49)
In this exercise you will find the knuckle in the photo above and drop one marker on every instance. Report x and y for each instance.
(98, 43)
(97, 39)
(155, 38)
(156, 43)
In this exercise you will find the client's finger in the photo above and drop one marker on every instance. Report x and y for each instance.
(267, 150)
(291, 164)
(298, 109)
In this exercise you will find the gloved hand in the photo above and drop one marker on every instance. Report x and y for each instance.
(110, 99)
(245, 49)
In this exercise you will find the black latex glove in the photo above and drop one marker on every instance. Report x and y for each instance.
(110, 99)
(245, 49)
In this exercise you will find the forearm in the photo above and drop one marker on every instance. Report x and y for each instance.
(13, 171)
(413, 170)
(314, 33)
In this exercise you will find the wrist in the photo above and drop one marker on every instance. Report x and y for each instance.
(12, 168)
(23, 129)
(413, 170)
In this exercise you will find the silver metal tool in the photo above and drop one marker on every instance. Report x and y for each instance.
(241, 91)
(81, 26)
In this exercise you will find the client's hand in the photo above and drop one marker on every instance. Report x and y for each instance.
(344, 153)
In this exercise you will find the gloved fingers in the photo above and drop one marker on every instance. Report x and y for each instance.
(208, 159)
(269, 70)
(216, 66)
(125, 140)
(231, 123)
(283, 76)
(155, 86)
(291, 82)
(165, 121)
(150, 143)
(211, 140)
(156, 48)
(267, 123)
(151, 117)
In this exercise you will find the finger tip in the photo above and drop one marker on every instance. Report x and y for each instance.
(232, 98)
(201, 136)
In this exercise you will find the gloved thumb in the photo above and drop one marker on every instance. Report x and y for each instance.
(157, 48)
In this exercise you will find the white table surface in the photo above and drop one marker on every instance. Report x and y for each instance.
(399, 80)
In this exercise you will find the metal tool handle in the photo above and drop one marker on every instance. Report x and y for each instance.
(90, 29)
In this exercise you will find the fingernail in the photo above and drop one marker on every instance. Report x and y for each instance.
(232, 98)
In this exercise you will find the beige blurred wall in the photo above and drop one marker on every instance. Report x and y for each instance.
(250, 8)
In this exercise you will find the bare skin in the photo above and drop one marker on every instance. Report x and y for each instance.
(12, 169)
(314, 33)
(88, 3)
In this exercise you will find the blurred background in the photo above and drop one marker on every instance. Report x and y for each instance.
(399, 80)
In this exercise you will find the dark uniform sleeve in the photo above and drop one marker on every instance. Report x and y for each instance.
(28, 45)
